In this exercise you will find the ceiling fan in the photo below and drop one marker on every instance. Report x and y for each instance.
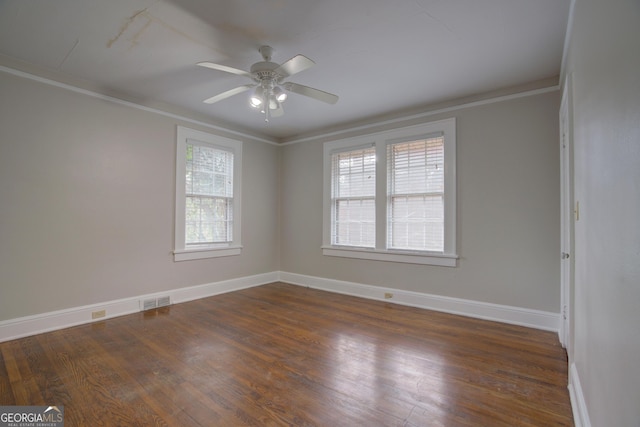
(268, 78)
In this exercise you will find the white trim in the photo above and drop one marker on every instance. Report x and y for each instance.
(578, 404)
(191, 254)
(567, 226)
(481, 310)
(443, 260)
(366, 127)
(371, 127)
(45, 322)
(216, 288)
(567, 37)
(115, 100)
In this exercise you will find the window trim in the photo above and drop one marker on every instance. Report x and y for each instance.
(181, 252)
(380, 140)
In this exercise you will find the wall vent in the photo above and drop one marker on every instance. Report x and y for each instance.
(163, 301)
(149, 304)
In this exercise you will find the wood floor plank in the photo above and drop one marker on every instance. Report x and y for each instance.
(6, 391)
(19, 373)
(284, 355)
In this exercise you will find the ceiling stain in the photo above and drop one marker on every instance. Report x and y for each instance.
(146, 14)
(176, 30)
(242, 32)
(125, 27)
(136, 37)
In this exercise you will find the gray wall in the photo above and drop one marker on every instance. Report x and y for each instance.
(88, 191)
(87, 194)
(604, 59)
(508, 211)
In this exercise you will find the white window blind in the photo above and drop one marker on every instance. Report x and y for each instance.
(209, 195)
(415, 211)
(353, 191)
(391, 195)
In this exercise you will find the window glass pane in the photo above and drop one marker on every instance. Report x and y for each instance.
(353, 197)
(355, 222)
(417, 222)
(416, 195)
(209, 171)
(209, 195)
(354, 173)
(417, 167)
(208, 220)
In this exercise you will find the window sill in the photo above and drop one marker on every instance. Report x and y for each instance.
(443, 260)
(203, 253)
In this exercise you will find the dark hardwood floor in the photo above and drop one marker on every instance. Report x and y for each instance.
(286, 355)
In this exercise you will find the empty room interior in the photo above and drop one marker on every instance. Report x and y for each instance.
(410, 213)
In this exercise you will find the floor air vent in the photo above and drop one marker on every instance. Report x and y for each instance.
(163, 301)
(151, 303)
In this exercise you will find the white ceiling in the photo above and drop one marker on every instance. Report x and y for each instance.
(381, 57)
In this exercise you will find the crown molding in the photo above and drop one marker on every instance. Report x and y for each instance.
(121, 101)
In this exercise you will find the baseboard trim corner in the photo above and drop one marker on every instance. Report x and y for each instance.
(60, 319)
(501, 313)
(45, 322)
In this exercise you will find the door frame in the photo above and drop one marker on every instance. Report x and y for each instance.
(567, 216)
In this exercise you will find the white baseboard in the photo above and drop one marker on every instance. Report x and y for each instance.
(501, 313)
(578, 404)
(45, 322)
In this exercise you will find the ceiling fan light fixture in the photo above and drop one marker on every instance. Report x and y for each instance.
(273, 103)
(256, 99)
(280, 95)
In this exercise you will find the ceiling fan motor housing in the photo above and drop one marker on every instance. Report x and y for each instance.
(265, 71)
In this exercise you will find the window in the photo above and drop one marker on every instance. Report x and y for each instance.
(353, 197)
(207, 195)
(416, 194)
(391, 196)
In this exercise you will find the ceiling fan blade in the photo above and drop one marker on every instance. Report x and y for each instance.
(318, 94)
(228, 93)
(225, 69)
(294, 65)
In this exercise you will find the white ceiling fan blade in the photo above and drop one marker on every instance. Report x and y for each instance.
(227, 94)
(225, 69)
(294, 65)
(318, 94)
